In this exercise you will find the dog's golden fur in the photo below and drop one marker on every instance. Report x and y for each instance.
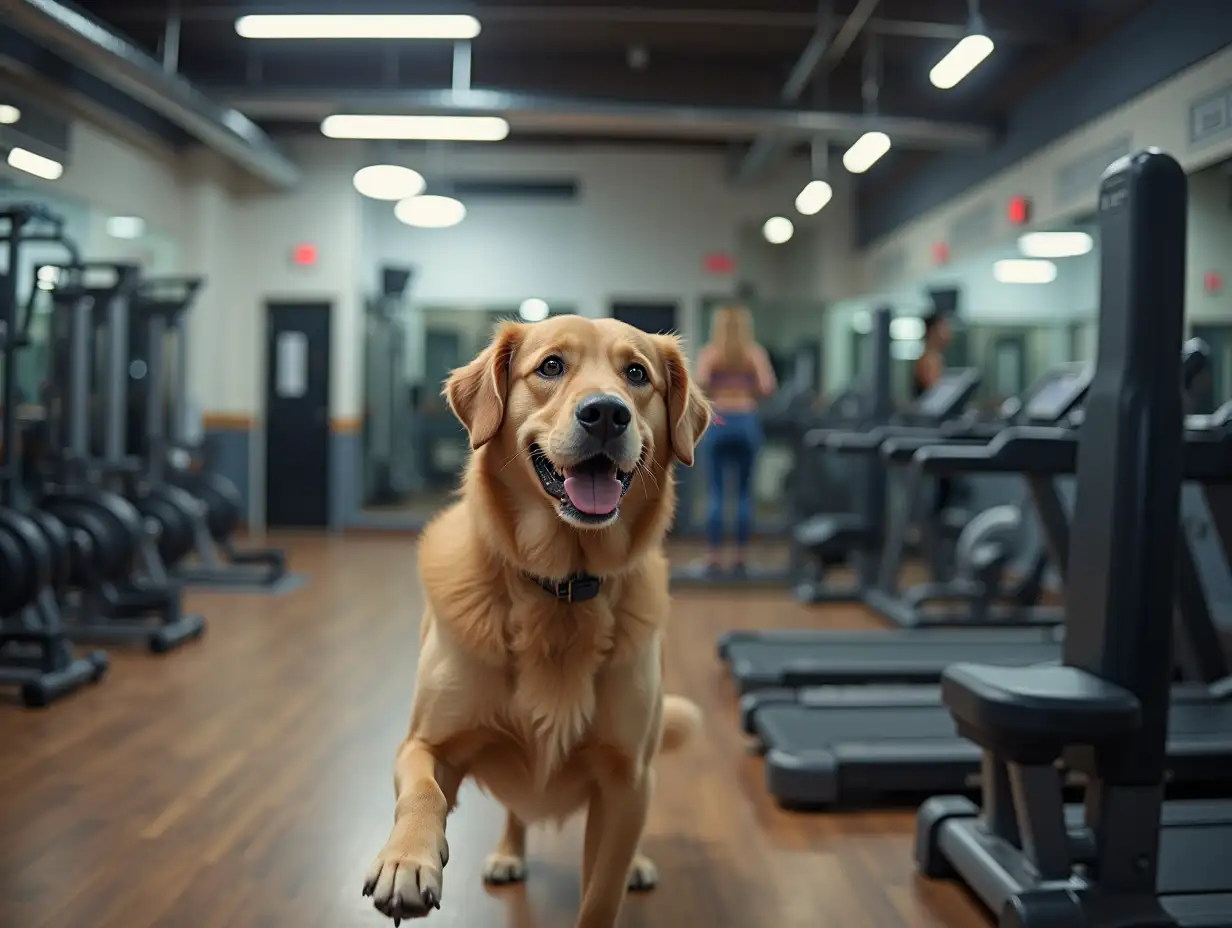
(552, 707)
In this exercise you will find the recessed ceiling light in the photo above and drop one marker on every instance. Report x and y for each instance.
(778, 229)
(433, 128)
(31, 163)
(960, 60)
(9, 114)
(1055, 244)
(1024, 271)
(430, 212)
(866, 151)
(128, 227)
(814, 197)
(357, 26)
(388, 182)
(534, 310)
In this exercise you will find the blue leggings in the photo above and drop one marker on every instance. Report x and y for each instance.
(731, 446)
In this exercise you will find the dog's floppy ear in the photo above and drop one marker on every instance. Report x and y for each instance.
(688, 410)
(476, 392)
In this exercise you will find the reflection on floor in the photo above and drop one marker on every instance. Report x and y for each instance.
(246, 781)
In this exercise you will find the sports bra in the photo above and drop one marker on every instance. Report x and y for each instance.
(733, 380)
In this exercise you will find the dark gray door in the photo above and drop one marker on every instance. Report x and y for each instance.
(297, 415)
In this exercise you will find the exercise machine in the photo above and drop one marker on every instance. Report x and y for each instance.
(136, 529)
(36, 549)
(828, 744)
(1125, 858)
(169, 470)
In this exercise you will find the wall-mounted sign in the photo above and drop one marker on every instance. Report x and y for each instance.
(304, 255)
(1019, 210)
(1212, 282)
(941, 253)
(719, 263)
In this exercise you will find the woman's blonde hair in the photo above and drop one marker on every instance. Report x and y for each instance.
(731, 334)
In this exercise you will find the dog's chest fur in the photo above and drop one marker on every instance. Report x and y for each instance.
(556, 652)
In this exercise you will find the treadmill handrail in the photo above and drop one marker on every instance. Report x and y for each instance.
(902, 450)
(1020, 449)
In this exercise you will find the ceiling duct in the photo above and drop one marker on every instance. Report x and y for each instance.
(82, 39)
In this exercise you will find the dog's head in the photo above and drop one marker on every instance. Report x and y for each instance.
(585, 408)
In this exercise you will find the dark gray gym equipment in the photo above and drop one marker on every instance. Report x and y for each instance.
(36, 653)
(1126, 859)
(858, 535)
(131, 598)
(796, 658)
(214, 508)
(832, 744)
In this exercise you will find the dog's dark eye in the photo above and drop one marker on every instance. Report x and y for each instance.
(637, 374)
(552, 367)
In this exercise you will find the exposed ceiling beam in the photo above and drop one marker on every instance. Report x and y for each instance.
(821, 54)
(545, 114)
(127, 13)
(110, 57)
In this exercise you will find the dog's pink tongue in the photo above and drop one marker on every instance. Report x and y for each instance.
(596, 494)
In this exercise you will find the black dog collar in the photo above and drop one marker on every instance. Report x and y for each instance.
(575, 589)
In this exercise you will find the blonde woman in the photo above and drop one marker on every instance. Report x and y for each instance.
(735, 372)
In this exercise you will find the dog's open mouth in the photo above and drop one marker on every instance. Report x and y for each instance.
(589, 491)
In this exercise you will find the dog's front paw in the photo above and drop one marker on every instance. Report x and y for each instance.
(405, 882)
(643, 875)
(500, 869)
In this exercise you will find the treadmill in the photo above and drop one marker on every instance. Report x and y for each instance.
(792, 658)
(1125, 858)
(826, 745)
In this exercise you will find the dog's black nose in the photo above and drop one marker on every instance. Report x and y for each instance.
(602, 416)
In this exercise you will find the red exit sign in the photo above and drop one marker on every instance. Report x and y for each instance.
(719, 263)
(304, 255)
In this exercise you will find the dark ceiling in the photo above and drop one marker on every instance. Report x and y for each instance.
(696, 52)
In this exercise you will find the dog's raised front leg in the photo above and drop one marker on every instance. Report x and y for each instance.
(405, 879)
(614, 824)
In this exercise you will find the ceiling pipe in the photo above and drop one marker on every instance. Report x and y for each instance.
(562, 116)
(818, 58)
(87, 42)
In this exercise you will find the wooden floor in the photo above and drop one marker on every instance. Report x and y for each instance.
(247, 781)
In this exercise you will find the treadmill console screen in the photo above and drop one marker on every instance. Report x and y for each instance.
(1057, 397)
(948, 395)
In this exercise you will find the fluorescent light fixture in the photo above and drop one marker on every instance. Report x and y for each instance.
(533, 310)
(388, 182)
(960, 60)
(906, 351)
(814, 197)
(433, 128)
(28, 161)
(430, 212)
(906, 328)
(862, 322)
(1055, 244)
(1024, 271)
(357, 26)
(778, 229)
(9, 114)
(866, 151)
(129, 227)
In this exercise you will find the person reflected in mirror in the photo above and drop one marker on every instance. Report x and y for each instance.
(736, 373)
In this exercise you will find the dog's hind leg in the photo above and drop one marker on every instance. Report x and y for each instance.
(507, 864)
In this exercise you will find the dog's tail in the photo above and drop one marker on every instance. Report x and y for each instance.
(682, 720)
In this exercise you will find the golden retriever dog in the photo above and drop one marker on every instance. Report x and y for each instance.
(541, 660)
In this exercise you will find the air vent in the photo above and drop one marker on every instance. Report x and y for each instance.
(512, 189)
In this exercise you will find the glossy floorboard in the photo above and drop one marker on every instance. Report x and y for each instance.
(246, 781)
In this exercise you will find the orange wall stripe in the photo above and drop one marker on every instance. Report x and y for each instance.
(227, 422)
(348, 425)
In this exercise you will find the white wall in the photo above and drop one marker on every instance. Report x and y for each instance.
(1161, 117)
(641, 227)
(1210, 244)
